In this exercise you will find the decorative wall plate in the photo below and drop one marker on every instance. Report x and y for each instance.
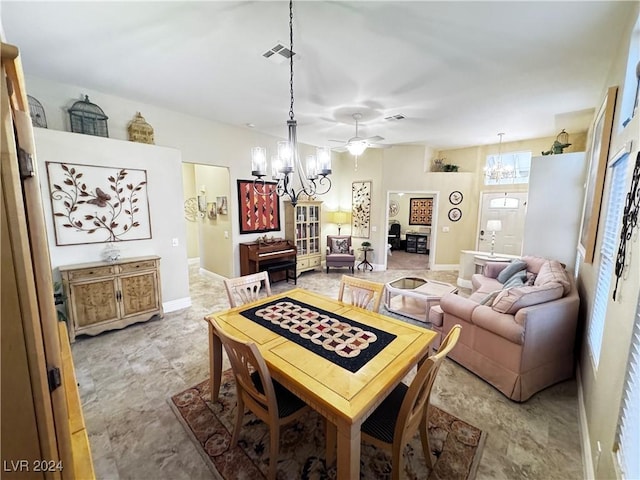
(455, 198)
(393, 208)
(455, 214)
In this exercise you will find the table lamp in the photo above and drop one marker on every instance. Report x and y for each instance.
(340, 218)
(493, 226)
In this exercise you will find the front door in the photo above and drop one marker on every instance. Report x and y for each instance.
(510, 209)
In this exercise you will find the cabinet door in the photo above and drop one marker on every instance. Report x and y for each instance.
(94, 302)
(314, 229)
(139, 293)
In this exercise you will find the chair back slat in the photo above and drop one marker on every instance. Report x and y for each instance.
(245, 359)
(246, 289)
(363, 293)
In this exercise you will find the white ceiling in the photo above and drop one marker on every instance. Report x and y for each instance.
(460, 72)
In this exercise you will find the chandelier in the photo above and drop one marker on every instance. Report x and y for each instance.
(286, 166)
(499, 170)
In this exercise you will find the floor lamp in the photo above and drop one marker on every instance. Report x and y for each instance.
(493, 226)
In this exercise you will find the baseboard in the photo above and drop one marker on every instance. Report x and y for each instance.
(462, 283)
(177, 304)
(587, 459)
(444, 266)
(210, 274)
(193, 261)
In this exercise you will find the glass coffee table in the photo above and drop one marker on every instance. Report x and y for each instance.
(413, 297)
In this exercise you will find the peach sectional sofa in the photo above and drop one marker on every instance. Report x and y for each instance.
(518, 329)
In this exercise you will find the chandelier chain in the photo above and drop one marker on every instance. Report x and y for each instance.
(291, 115)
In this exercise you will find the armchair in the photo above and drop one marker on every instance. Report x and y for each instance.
(340, 252)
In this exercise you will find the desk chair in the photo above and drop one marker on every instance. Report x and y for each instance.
(246, 289)
(363, 292)
(393, 237)
(394, 423)
(267, 399)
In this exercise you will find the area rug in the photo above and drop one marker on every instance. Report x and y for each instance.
(457, 445)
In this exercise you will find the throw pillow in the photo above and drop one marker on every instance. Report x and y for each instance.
(516, 265)
(552, 271)
(340, 245)
(516, 280)
(488, 300)
(513, 299)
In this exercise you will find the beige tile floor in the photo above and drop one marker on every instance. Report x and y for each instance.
(126, 376)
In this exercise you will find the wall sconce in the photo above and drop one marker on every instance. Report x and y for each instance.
(202, 201)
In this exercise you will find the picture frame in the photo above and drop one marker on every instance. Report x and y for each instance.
(98, 204)
(259, 207)
(361, 209)
(212, 211)
(420, 211)
(597, 156)
(455, 214)
(222, 205)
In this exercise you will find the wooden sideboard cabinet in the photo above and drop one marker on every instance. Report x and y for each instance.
(105, 296)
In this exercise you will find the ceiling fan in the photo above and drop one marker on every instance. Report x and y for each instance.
(357, 145)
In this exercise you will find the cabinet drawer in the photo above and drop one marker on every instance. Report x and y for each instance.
(92, 272)
(135, 266)
(303, 263)
(315, 261)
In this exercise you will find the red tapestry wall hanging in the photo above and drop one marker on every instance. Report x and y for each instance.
(420, 211)
(258, 212)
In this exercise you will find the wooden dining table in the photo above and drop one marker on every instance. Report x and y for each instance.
(344, 397)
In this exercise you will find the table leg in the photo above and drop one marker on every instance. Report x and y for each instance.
(331, 433)
(215, 363)
(349, 451)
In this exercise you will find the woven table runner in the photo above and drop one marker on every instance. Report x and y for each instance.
(342, 341)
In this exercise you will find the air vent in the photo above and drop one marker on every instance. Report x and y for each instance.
(278, 54)
(399, 116)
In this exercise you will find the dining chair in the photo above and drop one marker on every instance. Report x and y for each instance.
(245, 289)
(394, 422)
(267, 399)
(363, 292)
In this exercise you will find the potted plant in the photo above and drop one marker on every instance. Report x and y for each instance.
(450, 167)
(366, 245)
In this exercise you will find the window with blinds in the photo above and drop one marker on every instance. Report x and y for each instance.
(628, 435)
(612, 217)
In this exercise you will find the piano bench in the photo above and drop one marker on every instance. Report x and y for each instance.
(289, 267)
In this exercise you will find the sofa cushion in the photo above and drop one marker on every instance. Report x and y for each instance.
(499, 323)
(515, 266)
(552, 271)
(483, 284)
(534, 263)
(513, 299)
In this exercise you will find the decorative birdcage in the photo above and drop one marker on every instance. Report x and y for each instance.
(88, 118)
(139, 130)
(36, 110)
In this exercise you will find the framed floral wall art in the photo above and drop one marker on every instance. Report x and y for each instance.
(361, 209)
(597, 156)
(92, 204)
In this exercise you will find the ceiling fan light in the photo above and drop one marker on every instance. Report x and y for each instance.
(357, 148)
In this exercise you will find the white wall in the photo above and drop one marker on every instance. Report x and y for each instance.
(163, 166)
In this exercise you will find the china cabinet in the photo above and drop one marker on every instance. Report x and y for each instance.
(302, 226)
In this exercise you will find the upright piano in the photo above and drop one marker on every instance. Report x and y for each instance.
(278, 257)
